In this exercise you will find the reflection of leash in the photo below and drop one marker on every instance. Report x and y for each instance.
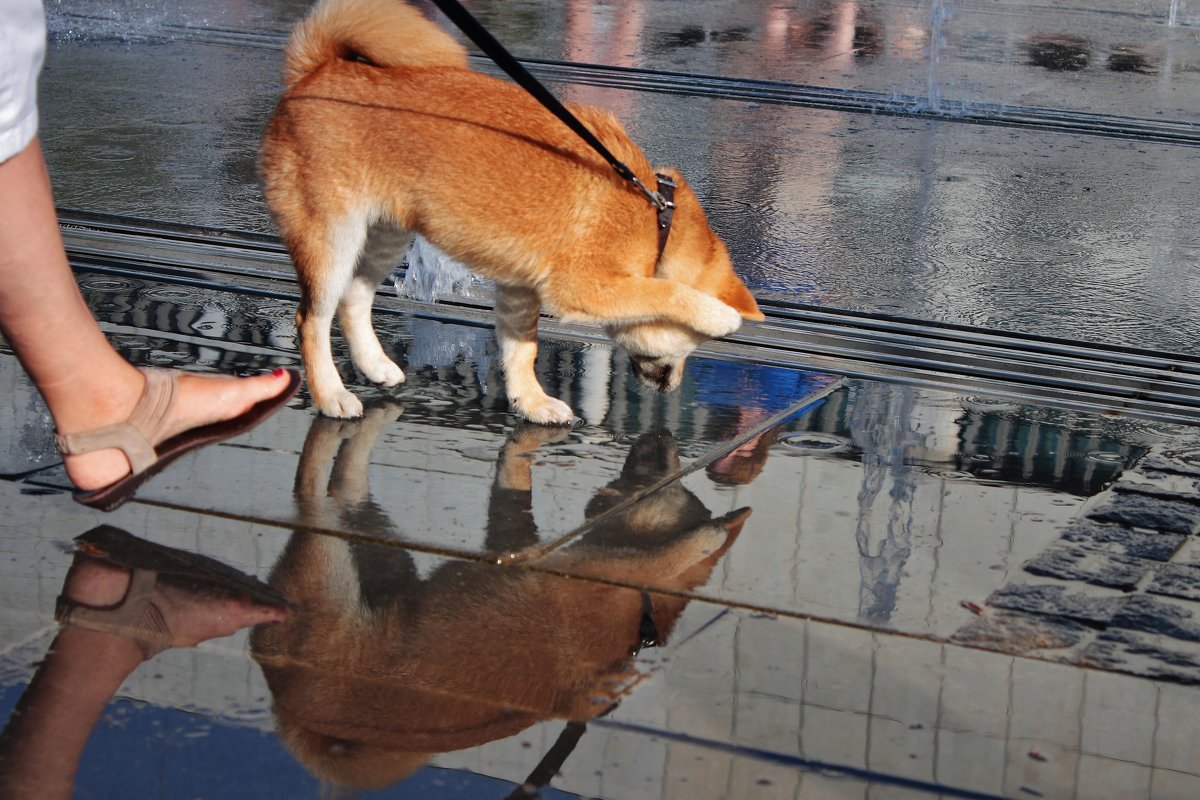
(551, 763)
(565, 744)
(662, 199)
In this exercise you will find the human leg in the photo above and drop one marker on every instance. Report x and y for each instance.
(86, 384)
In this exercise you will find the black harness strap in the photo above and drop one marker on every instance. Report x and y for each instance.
(666, 188)
(661, 198)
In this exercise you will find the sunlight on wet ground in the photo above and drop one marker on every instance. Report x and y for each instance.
(772, 537)
(930, 218)
(771, 584)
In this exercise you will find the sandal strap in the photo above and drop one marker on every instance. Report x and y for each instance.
(136, 617)
(135, 436)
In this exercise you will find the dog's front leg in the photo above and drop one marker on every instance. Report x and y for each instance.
(516, 329)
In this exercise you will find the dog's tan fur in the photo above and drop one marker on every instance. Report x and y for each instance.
(382, 132)
(369, 677)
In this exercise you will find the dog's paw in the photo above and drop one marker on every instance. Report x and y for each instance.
(729, 320)
(718, 319)
(383, 372)
(544, 410)
(342, 405)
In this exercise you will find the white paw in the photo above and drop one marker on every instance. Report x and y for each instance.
(382, 371)
(341, 405)
(729, 321)
(544, 410)
(718, 319)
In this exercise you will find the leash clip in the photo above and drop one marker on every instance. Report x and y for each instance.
(655, 198)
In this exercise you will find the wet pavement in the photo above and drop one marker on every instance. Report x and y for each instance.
(946, 173)
(777, 582)
(854, 589)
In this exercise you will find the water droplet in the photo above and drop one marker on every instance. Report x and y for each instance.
(815, 442)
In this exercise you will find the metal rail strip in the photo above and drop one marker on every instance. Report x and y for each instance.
(1075, 374)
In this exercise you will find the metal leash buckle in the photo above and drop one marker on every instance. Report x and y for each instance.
(660, 202)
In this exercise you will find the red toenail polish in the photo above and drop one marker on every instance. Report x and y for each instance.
(279, 372)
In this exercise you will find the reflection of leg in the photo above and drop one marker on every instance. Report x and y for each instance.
(159, 596)
(516, 330)
(595, 381)
(44, 739)
(86, 384)
(332, 478)
(510, 526)
(348, 479)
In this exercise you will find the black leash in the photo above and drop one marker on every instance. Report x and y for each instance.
(551, 763)
(564, 745)
(662, 199)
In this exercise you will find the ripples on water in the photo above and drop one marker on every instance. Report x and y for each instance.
(1077, 237)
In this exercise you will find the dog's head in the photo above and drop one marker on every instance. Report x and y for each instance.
(656, 351)
(697, 257)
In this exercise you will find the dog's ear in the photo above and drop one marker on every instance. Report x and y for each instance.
(734, 520)
(734, 293)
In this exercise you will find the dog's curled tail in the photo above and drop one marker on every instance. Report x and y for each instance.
(386, 33)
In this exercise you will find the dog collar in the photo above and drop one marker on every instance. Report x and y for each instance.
(666, 212)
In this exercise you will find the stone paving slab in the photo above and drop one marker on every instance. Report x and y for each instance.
(1079, 564)
(1122, 540)
(1137, 543)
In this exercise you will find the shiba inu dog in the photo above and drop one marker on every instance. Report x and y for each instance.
(379, 667)
(383, 132)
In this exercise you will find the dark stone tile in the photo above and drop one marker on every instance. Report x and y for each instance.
(1181, 460)
(1139, 510)
(1122, 540)
(1162, 463)
(1160, 483)
(1142, 654)
(1099, 569)
(1020, 634)
(1177, 580)
(1152, 615)
(1057, 601)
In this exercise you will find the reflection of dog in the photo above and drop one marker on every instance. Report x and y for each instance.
(379, 668)
(383, 132)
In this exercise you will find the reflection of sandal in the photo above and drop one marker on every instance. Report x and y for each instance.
(135, 435)
(138, 616)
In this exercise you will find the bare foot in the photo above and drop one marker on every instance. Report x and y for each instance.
(193, 616)
(200, 400)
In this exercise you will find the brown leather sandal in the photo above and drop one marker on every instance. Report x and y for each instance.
(135, 436)
(138, 615)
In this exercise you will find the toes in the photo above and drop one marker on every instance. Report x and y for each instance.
(728, 322)
(342, 405)
(383, 372)
(719, 319)
(544, 410)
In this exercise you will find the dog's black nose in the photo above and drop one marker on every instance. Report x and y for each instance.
(652, 373)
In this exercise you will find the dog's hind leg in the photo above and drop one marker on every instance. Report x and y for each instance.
(325, 267)
(516, 331)
(383, 249)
